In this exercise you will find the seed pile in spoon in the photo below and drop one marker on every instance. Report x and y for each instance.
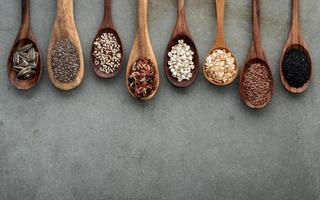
(181, 61)
(107, 53)
(296, 68)
(142, 78)
(257, 84)
(220, 67)
(25, 61)
(65, 61)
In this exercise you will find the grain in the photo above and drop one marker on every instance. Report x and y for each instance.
(257, 85)
(107, 53)
(220, 67)
(142, 82)
(181, 61)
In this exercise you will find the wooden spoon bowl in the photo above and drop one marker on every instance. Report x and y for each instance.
(195, 71)
(96, 67)
(282, 76)
(295, 42)
(235, 63)
(181, 32)
(107, 26)
(142, 48)
(25, 36)
(248, 63)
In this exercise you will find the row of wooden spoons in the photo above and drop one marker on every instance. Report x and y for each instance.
(64, 27)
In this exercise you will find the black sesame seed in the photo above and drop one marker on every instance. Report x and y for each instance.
(296, 68)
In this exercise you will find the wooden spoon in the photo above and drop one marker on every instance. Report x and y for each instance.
(181, 31)
(256, 55)
(295, 41)
(106, 26)
(25, 36)
(64, 28)
(220, 41)
(142, 48)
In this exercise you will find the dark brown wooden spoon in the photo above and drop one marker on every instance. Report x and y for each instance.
(107, 26)
(24, 37)
(220, 42)
(256, 55)
(295, 41)
(181, 31)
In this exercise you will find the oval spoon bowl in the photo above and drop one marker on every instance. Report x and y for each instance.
(28, 83)
(156, 80)
(235, 63)
(195, 71)
(242, 77)
(282, 76)
(95, 68)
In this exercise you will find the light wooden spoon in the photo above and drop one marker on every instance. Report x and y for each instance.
(295, 41)
(220, 42)
(181, 31)
(25, 36)
(142, 48)
(64, 28)
(107, 26)
(256, 55)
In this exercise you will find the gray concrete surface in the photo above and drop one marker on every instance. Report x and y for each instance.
(97, 143)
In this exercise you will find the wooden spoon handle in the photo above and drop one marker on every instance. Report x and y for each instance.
(181, 25)
(295, 15)
(25, 17)
(256, 26)
(65, 11)
(220, 4)
(143, 35)
(107, 19)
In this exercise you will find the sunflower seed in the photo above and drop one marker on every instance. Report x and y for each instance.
(31, 54)
(25, 47)
(16, 58)
(25, 61)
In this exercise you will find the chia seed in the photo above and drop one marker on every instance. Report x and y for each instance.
(65, 61)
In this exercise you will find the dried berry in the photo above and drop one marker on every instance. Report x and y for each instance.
(141, 80)
(296, 68)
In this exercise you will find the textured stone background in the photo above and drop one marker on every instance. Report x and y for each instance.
(97, 143)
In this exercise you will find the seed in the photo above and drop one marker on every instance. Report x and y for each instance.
(296, 68)
(25, 48)
(181, 61)
(257, 84)
(142, 78)
(25, 61)
(65, 61)
(220, 67)
(107, 53)
(16, 57)
(31, 54)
